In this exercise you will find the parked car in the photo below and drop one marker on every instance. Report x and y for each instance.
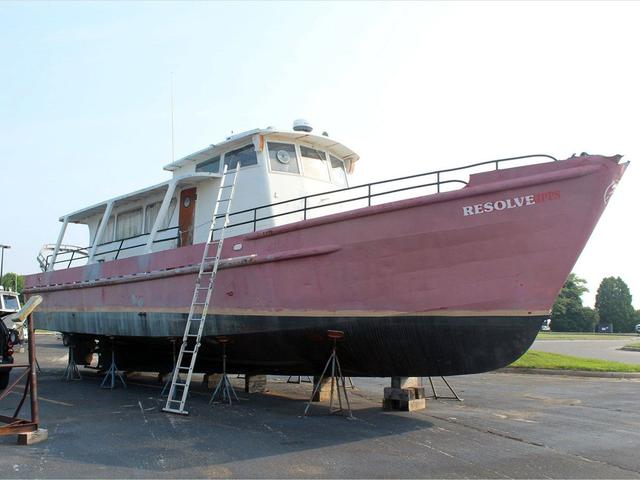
(9, 303)
(638, 328)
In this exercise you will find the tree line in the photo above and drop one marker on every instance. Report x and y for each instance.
(613, 307)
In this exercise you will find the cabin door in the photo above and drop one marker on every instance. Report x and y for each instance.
(186, 216)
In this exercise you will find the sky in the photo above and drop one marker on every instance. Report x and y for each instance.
(85, 94)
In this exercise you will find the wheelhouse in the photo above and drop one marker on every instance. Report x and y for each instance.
(276, 166)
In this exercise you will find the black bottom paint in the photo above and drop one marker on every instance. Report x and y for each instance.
(373, 346)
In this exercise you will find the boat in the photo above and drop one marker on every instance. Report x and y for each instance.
(443, 273)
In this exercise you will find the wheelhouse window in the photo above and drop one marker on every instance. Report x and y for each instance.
(338, 173)
(314, 164)
(129, 224)
(245, 155)
(283, 158)
(211, 166)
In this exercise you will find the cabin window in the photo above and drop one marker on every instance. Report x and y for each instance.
(129, 224)
(245, 155)
(283, 158)
(107, 235)
(211, 166)
(338, 174)
(314, 163)
(151, 214)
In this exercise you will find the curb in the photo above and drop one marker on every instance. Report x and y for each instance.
(571, 373)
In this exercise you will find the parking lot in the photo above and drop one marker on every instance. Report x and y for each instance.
(507, 426)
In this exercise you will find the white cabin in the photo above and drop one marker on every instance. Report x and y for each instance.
(275, 166)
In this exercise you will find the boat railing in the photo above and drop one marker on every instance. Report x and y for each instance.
(365, 194)
(108, 250)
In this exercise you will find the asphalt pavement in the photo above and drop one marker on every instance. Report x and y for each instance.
(602, 349)
(507, 426)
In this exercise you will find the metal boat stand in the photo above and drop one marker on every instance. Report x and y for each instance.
(224, 389)
(28, 431)
(435, 394)
(337, 379)
(109, 380)
(71, 372)
(167, 383)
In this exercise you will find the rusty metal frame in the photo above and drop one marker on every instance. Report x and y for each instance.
(14, 425)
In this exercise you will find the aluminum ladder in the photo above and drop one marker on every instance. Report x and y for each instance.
(202, 295)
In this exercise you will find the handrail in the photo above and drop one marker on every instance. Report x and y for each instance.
(305, 204)
(84, 254)
(371, 195)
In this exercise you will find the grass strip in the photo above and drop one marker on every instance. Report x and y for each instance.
(537, 359)
(580, 336)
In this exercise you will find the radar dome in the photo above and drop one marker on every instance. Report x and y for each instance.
(302, 125)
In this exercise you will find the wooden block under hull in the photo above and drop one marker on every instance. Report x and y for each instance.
(404, 399)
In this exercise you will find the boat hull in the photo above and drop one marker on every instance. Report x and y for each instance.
(451, 283)
(380, 346)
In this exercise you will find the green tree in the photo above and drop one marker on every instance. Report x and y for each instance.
(613, 302)
(13, 281)
(568, 313)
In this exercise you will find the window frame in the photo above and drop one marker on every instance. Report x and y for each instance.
(141, 208)
(295, 149)
(209, 161)
(326, 161)
(344, 170)
(223, 157)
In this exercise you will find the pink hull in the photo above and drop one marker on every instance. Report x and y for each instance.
(500, 247)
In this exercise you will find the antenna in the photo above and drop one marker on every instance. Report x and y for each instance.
(173, 157)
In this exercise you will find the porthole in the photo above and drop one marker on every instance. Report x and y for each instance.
(186, 202)
(283, 156)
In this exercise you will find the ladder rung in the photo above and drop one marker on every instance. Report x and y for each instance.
(188, 351)
(178, 384)
(175, 410)
(192, 335)
(184, 368)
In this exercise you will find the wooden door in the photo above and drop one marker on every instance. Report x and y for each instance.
(186, 216)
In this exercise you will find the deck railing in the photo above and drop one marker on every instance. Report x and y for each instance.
(79, 254)
(302, 205)
(364, 192)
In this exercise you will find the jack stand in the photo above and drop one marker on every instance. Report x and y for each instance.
(300, 380)
(167, 383)
(435, 394)
(71, 372)
(224, 389)
(336, 379)
(109, 380)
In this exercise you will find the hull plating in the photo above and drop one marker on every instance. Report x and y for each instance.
(451, 283)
